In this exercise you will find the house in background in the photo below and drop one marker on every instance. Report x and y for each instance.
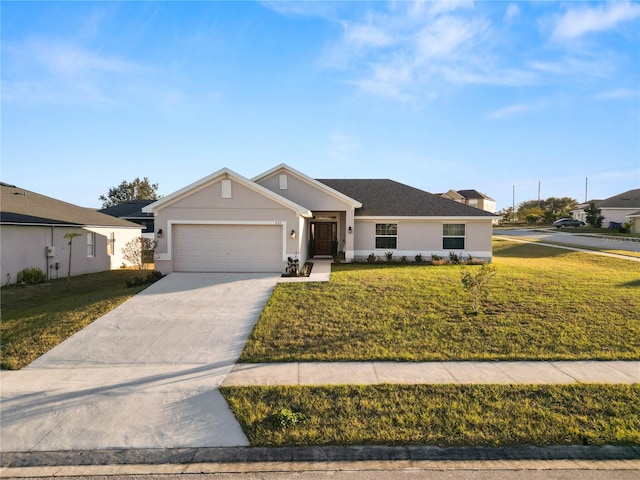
(619, 209)
(228, 223)
(473, 198)
(132, 211)
(32, 230)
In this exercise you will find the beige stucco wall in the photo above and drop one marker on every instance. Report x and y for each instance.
(319, 201)
(424, 237)
(245, 206)
(24, 247)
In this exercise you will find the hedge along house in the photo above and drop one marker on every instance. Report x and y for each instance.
(33, 229)
(228, 223)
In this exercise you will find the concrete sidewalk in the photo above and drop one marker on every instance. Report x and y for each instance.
(369, 373)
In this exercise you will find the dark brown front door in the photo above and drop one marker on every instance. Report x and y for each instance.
(324, 238)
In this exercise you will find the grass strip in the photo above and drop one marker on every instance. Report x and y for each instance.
(544, 304)
(442, 415)
(36, 318)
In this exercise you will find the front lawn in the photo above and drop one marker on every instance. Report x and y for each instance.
(36, 318)
(545, 304)
(443, 415)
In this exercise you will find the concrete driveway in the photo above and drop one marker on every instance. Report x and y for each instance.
(145, 375)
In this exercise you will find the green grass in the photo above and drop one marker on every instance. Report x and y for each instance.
(443, 415)
(36, 318)
(545, 304)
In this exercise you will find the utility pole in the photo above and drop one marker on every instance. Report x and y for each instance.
(538, 193)
(586, 189)
(513, 204)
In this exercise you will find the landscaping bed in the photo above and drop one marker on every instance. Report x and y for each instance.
(442, 415)
(544, 304)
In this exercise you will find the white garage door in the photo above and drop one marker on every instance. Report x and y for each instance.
(227, 248)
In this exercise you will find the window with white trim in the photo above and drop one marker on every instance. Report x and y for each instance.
(91, 244)
(453, 236)
(387, 235)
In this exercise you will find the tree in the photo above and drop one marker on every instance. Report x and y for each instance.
(477, 286)
(127, 191)
(70, 236)
(594, 216)
(139, 253)
(548, 210)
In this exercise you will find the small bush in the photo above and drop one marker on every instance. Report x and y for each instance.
(371, 258)
(31, 276)
(152, 277)
(286, 418)
(389, 256)
(403, 259)
(454, 258)
(437, 260)
(418, 258)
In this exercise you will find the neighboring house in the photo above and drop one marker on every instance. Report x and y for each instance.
(473, 198)
(32, 230)
(132, 211)
(226, 222)
(622, 208)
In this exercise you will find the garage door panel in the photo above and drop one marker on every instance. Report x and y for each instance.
(227, 248)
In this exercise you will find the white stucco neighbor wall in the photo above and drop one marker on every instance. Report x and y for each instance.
(27, 244)
(424, 236)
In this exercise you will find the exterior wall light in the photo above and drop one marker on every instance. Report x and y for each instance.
(159, 233)
(293, 234)
(350, 230)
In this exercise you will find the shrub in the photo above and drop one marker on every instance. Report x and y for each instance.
(437, 260)
(139, 253)
(477, 286)
(455, 258)
(286, 418)
(151, 277)
(389, 256)
(403, 259)
(371, 258)
(31, 276)
(418, 258)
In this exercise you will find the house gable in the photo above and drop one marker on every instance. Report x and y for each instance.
(193, 194)
(304, 190)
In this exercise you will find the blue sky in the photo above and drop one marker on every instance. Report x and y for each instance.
(483, 95)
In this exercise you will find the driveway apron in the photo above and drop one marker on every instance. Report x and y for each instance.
(145, 375)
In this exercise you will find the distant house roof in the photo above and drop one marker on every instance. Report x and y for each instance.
(131, 210)
(387, 198)
(474, 194)
(628, 199)
(23, 207)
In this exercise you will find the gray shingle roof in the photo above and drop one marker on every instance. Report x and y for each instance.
(130, 209)
(20, 206)
(387, 198)
(474, 194)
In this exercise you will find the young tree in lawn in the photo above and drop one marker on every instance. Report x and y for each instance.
(477, 285)
(139, 253)
(70, 236)
(127, 191)
(594, 216)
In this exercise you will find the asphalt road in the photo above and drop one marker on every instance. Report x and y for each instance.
(572, 238)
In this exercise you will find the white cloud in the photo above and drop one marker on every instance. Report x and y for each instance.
(511, 111)
(512, 11)
(580, 21)
(446, 35)
(619, 94)
(366, 35)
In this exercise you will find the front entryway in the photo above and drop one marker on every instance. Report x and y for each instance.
(324, 236)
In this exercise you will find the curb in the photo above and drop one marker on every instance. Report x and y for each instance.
(312, 454)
